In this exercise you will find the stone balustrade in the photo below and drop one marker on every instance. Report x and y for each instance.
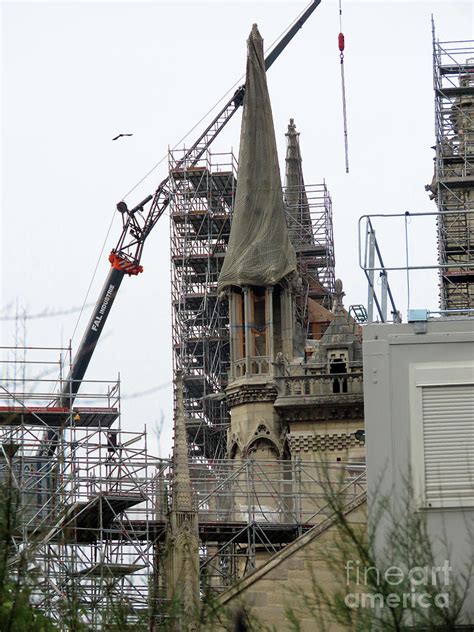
(322, 385)
(255, 365)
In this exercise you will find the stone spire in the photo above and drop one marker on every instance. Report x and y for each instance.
(259, 252)
(295, 194)
(300, 226)
(181, 490)
(182, 542)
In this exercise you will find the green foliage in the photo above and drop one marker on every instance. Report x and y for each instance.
(17, 614)
(211, 616)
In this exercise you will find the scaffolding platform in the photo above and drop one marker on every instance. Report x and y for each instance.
(104, 569)
(459, 276)
(220, 184)
(456, 91)
(312, 250)
(87, 518)
(453, 69)
(201, 262)
(460, 159)
(58, 416)
(460, 182)
(222, 532)
(27, 398)
(238, 532)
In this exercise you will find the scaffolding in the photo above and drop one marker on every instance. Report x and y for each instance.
(309, 219)
(201, 204)
(72, 518)
(453, 182)
(249, 510)
(92, 518)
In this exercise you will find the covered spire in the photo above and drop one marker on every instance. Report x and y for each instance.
(259, 252)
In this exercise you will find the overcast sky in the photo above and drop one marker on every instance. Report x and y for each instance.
(75, 74)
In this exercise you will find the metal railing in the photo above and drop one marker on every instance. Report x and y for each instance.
(371, 261)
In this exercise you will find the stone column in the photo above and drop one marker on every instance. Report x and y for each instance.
(269, 323)
(287, 323)
(249, 345)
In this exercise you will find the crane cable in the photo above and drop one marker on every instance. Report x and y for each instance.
(341, 44)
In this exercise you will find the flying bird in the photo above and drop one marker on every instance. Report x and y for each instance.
(120, 135)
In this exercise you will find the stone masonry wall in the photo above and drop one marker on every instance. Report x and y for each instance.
(279, 582)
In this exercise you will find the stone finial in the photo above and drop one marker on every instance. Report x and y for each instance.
(292, 128)
(338, 296)
(294, 174)
(255, 33)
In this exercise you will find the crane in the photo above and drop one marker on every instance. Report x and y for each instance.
(137, 224)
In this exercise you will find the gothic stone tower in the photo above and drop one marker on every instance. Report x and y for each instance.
(289, 398)
(258, 273)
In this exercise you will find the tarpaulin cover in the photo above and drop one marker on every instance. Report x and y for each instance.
(259, 251)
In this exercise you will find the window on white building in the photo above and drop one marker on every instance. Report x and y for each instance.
(442, 411)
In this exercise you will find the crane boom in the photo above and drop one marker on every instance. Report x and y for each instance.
(126, 256)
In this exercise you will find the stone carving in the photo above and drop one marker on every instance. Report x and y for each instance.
(318, 443)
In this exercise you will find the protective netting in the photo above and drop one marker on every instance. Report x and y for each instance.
(259, 251)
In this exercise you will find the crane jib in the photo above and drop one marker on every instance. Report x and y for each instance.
(92, 333)
(100, 315)
(84, 354)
